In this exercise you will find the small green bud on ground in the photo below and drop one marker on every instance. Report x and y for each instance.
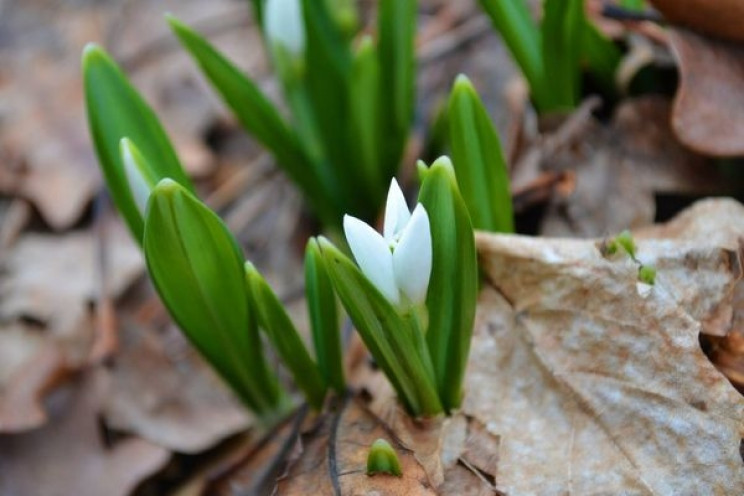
(625, 240)
(647, 274)
(382, 459)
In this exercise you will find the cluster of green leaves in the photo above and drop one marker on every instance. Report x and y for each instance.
(551, 54)
(220, 301)
(351, 101)
(423, 352)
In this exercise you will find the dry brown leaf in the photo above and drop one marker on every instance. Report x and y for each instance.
(708, 114)
(723, 18)
(725, 340)
(163, 392)
(48, 285)
(46, 155)
(589, 384)
(620, 168)
(69, 457)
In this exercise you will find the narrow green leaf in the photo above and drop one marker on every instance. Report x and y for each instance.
(386, 334)
(116, 110)
(633, 4)
(396, 35)
(512, 19)
(365, 113)
(273, 319)
(259, 117)
(562, 38)
(601, 57)
(258, 11)
(197, 269)
(453, 287)
(324, 318)
(328, 82)
(479, 162)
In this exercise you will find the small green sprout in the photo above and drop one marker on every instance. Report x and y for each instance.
(382, 459)
(626, 242)
(647, 274)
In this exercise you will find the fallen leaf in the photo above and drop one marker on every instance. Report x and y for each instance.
(592, 385)
(68, 456)
(162, 391)
(619, 169)
(708, 114)
(724, 340)
(47, 156)
(48, 285)
(722, 18)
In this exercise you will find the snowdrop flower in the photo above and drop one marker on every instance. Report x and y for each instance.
(398, 263)
(284, 25)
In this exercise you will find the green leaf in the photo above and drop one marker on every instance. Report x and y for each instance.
(115, 111)
(365, 113)
(273, 319)
(389, 337)
(632, 4)
(324, 318)
(601, 56)
(396, 34)
(453, 287)
(258, 6)
(513, 20)
(197, 269)
(259, 117)
(562, 38)
(328, 63)
(478, 160)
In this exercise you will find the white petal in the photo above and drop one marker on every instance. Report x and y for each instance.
(397, 214)
(284, 24)
(412, 257)
(138, 183)
(373, 255)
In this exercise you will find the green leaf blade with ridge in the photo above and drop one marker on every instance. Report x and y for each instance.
(115, 111)
(273, 319)
(396, 35)
(197, 268)
(324, 318)
(453, 286)
(479, 161)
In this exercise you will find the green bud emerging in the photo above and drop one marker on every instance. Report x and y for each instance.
(625, 240)
(382, 459)
(647, 274)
